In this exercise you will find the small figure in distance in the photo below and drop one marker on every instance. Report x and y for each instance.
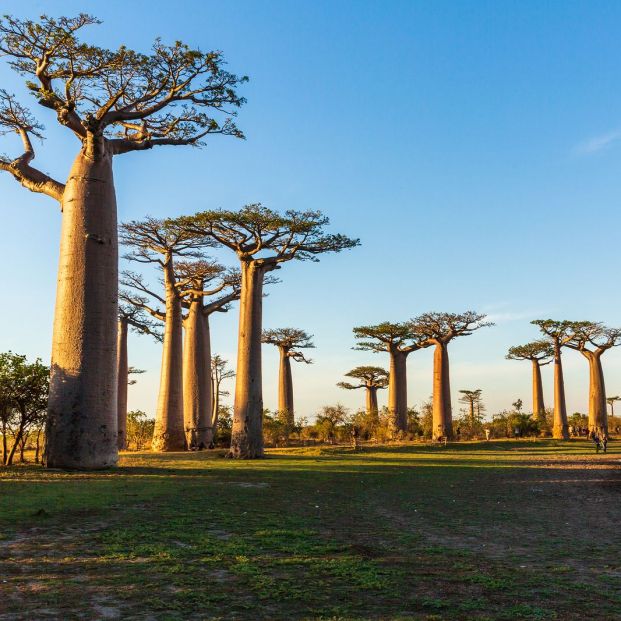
(604, 442)
(596, 440)
(488, 433)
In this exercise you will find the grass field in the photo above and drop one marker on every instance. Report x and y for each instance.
(499, 530)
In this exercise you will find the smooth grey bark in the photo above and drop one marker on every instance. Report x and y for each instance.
(197, 396)
(122, 383)
(285, 386)
(397, 390)
(442, 415)
(598, 412)
(81, 430)
(539, 409)
(371, 400)
(247, 432)
(169, 434)
(560, 427)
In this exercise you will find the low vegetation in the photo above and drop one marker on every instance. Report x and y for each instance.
(489, 530)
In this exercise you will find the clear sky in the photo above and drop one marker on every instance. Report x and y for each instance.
(475, 148)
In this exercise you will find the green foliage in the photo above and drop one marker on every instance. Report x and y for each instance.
(23, 400)
(139, 430)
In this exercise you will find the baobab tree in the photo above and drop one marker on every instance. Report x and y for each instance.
(289, 342)
(262, 240)
(200, 281)
(112, 102)
(611, 402)
(136, 319)
(219, 373)
(399, 341)
(371, 379)
(473, 399)
(539, 353)
(592, 339)
(439, 329)
(559, 333)
(156, 242)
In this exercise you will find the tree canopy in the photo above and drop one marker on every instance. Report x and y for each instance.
(266, 236)
(386, 336)
(540, 350)
(443, 327)
(368, 376)
(289, 339)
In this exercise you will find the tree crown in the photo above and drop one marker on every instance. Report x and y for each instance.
(269, 237)
(594, 334)
(387, 336)
(136, 100)
(537, 350)
(443, 327)
(369, 376)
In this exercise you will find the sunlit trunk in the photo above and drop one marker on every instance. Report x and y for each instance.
(247, 432)
(398, 391)
(123, 380)
(560, 429)
(168, 434)
(442, 414)
(197, 378)
(371, 398)
(81, 429)
(285, 387)
(598, 415)
(539, 410)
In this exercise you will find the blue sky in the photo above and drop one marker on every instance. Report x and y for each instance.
(474, 148)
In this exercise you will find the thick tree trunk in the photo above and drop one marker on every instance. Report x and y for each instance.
(442, 413)
(247, 432)
(539, 409)
(598, 414)
(285, 387)
(197, 401)
(560, 428)
(123, 381)
(81, 429)
(215, 410)
(168, 434)
(371, 397)
(472, 420)
(398, 391)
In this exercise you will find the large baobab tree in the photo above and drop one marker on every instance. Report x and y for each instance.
(262, 239)
(289, 342)
(439, 329)
(199, 281)
(136, 319)
(219, 373)
(399, 341)
(559, 333)
(371, 379)
(156, 242)
(539, 353)
(111, 102)
(592, 339)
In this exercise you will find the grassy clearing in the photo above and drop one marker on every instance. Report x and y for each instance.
(505, 530)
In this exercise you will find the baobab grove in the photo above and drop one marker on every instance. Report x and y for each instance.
(296, 438)
(263, 240)
(112, 103)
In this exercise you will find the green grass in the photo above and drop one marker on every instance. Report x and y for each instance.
(499, 530)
